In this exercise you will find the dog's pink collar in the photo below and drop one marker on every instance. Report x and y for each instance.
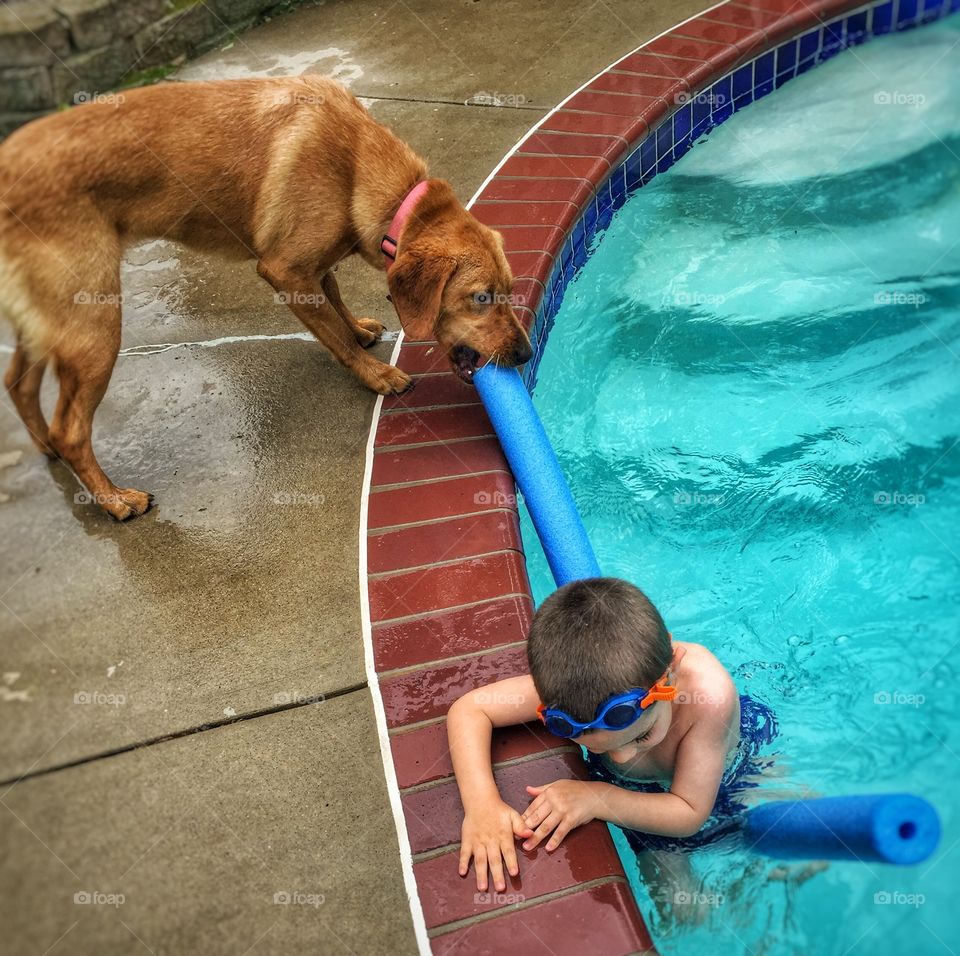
(388, 245)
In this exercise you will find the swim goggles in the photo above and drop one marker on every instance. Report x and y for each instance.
(617, 712)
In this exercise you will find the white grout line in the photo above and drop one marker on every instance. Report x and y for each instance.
(393, 789)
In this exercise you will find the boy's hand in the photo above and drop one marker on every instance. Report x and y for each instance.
(488, 837)
(558, 807)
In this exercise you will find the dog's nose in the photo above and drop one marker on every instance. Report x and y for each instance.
(523, 352)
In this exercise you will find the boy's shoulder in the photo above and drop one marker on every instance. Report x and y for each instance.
(703, 680)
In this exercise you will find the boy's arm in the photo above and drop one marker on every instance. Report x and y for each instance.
(681, 812)
(489, 825)
(701, 755)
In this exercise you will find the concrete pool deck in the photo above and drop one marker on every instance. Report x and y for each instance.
(186, 718)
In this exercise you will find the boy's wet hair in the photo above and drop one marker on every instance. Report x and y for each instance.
(594, 638)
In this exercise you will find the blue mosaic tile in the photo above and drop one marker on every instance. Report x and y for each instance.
(648, 155)
(857, 28)
(631, 168)
(589, 221)
(618, 188)
(604, 199)
(539, 323)
(721, 95)
(579, 256)
(606, 217)
(682, 122)
(763, 69)
(577, 235)
(605, 203)
(701, 115)
(548, 300)
(665, 163)
(907, 13)
(931, 10)
(808, 47)
(833, 39)
(883, 18)
(557, 274)
(556, 293)
(664, 134)
(558, 269)
(786, 57)
(742, 82)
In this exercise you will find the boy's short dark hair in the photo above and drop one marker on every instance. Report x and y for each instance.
(594, 638)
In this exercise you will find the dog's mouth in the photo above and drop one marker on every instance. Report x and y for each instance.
(464, 360)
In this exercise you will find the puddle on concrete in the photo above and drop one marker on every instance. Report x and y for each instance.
(241, 60)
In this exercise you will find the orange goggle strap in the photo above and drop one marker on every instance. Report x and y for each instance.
(660, 691)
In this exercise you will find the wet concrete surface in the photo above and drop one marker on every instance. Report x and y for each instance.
(247, 838)
(238, 592)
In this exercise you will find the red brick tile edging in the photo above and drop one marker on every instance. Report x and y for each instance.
(446, 582)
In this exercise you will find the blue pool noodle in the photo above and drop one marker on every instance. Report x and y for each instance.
(889, 828)
(883, 828)
(537, 473)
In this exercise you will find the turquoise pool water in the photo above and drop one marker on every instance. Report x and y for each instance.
(753, 386)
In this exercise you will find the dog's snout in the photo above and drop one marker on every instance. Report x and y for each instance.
(523, 351)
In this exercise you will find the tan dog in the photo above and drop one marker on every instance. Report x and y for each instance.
(292, 172)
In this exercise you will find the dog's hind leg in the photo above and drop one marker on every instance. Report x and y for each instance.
(84, 357)
(23, 380)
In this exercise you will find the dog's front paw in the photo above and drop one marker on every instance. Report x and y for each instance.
(369, 332)
(127, 503)
(388, 380)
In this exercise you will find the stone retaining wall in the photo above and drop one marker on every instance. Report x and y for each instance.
(59, 52)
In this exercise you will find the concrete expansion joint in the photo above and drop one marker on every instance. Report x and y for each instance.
(388, 336)
(442, 102)
(304, 701)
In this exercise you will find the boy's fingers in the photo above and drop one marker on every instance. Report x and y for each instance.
(520, 828)
(480, 863)
(558, 835)
(509, 851)
(536, 791)
(496, 870)
(536, 813)
(535, 803)
(465, 854)
(542, 831)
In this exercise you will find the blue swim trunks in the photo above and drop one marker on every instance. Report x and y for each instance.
(758, 726)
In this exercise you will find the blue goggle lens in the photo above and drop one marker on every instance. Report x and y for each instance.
(623, 715)
(560, 726)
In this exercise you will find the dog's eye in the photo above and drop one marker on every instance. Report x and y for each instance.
(483, 299)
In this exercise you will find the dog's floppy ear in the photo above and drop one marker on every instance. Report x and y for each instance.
(416, 282)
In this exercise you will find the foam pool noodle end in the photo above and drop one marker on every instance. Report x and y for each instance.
(885, 828)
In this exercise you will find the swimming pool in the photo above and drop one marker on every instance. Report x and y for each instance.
(752, 388)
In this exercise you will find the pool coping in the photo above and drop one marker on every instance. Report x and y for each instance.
(446, 603)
